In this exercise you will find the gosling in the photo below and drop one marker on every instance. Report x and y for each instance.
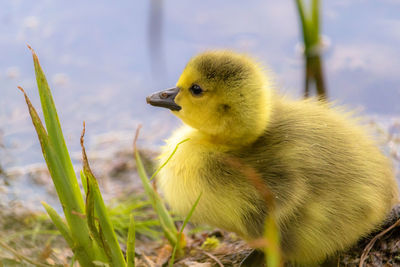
(331, 183)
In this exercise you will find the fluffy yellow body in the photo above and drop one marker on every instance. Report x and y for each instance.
(182, 183)
(330, 182)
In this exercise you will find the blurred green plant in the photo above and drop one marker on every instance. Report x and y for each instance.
(88, 229)
(146, 224)
(310, 25)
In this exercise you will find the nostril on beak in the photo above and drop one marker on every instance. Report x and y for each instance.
(164, 99)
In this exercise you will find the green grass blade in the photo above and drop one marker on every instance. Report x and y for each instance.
(58, 222)
(166, 221)
(170, 156)
(91, 221)
(72, 263)
(185, 222)
(63, 228)
(315, 21)
(61, 170)
(78, 227)
(55, 133)
(84, 181)
(272, 250)
(110, 239)
(304, 23)
(106, 230)
(130, 245)
(176, 248)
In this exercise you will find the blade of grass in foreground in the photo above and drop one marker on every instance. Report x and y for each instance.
(106, 238)
(78, 227)
(168, 159)
(166, 221)
(60, 167)
(130, 245)
(185, 222)
(61, 226)
(55, 132)
(272, 250)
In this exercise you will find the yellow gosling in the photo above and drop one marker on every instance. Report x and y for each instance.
(331, 183)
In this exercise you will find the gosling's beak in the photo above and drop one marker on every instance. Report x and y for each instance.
(165, 99)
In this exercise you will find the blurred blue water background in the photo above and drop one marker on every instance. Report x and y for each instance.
(97, 59)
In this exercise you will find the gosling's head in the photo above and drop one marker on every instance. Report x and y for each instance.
(224, 95)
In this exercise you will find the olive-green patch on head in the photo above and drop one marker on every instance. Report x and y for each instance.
(222, 67)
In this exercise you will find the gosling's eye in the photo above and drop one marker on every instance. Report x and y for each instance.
(196, 90)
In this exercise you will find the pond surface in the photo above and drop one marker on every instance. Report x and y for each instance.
(96, 55)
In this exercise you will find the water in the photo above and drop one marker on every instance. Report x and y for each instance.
(97, 60)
